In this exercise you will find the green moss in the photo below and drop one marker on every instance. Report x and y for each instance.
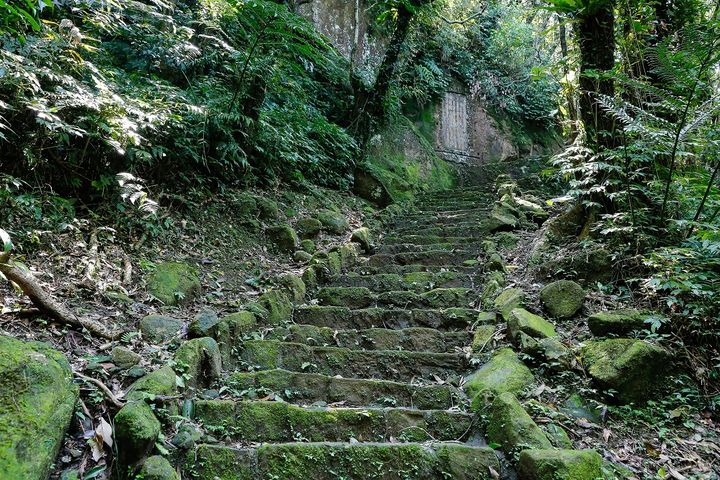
(520, 320)
(308, 227)
(362, 237)
(37, 400)
(482, 336)
(158, 468)
(278, 305)
(230, 329)
(618, 322)
(333, 222)
(557, 435)
(221, 463)
(201, 360)
(160, 382)
(509, 299)
(511, 427)
(447, 297)
(136, 430)
(461, 462)
(503, 373)
(295, 287)
(308, 246)
(214, 412)
(563, 298)
(283, 237)
(352, 297)
(560, 465)
(174, 282)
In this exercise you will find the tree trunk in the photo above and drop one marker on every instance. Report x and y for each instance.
(596, 39)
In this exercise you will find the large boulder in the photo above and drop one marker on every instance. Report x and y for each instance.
(505, 372)
(369, 187)
(512, 428)
(37, 401)
(617, 322)
(630, 367)
(559, 465)
(174, 282)
(563, 298)
(136, 430)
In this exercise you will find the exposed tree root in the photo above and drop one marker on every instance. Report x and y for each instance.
(108, 393)
(45, 302)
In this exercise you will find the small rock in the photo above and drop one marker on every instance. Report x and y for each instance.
(520, 320)
(361, 236)
(295, 286)
(578, 407)
(509, 299)
(202, 323)
(626, 365)
(308, 227)
(201, 357)
(559, 465)
(495, 263)
(549, 350)
(267, 209)
(187, 436)
(159, 328)
(160, 382)
(136, 372)
(557, 435)
(563, 298)
(301, 257)
(174, 282)
(308, 246)
(618, 322)
(283, 237)
(158, 468)
(333, 222)
(482, 336)
(136, 430)
(125, 358)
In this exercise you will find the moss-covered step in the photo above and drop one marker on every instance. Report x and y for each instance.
(451, 205)
(439, 219)
(414, 268)
(560, 465)
(436, 298)
(309, 388)
(263, 421)
(475, 247)
(356, 461)
(385, 364)
(408, 339)
(346, 318)
(426, 257)
(443, 231)
(426, 239)
(37, 401)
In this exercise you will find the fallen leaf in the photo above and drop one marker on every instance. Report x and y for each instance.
(104, 430)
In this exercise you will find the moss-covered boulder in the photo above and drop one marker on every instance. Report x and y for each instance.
(617, 322)
(200, 359)
(626, 365)
(512, 428)
(159, 328)
(294, 286)
(301, 257)
(308, 246)
(495, 263)
(505, 372)
(231, 329)
(283, 237)
(549, 350)
(578, 407)
(509, 299)
(362, 237)
(333, 222)
(124, 358)
(560, 465)
(562, 299)
(37, 401)
(174, 282)
(267, 209)
(278, 305)
(136, 430)
(308, 227)
(502, 218)
(482, 337)
(160, 382)
(370, 187)
(158, 468)
(520, 321)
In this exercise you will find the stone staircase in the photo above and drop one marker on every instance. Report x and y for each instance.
(369, 372)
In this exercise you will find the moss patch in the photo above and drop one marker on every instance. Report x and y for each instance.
(174, 282)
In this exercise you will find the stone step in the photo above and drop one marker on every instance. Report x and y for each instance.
(361, 297)
(427, 239)
(427, 257)
(415, 268)
(440, 219)
(415, 281)
(475, 247)
(269, 421)
(346, 318)
(380, 364)
(450, 205)
(352, 461)
(311, 388)
(409, 339)
(475, 230)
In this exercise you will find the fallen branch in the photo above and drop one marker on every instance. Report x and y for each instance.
(108, 393)
(45, 302)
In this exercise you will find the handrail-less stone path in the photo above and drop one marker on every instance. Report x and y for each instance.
(370, 375)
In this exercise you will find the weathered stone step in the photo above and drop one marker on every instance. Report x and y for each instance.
(427, 257)
(346, 318)
(409, 339)
(476, 230)
(475, 247)
(416, 281)
(269, 421)
(312, 388)
(448, 205)
(427, 239)
(383, 364)
(440, 219)
(415, 268)
(352, 461)
(361, 297)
